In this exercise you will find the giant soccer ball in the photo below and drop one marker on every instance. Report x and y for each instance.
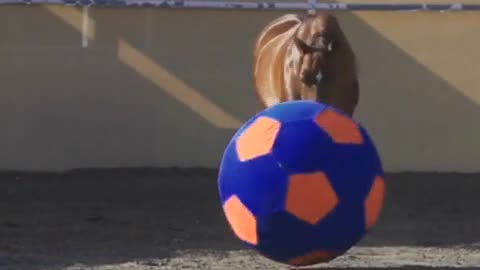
(301, 183)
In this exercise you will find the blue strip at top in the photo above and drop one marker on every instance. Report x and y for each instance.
(255, 5)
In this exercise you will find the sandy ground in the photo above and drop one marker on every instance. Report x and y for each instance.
(171, 219)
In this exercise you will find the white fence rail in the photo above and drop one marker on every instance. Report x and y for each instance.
(225, 5)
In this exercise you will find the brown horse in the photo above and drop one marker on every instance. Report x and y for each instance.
(306, 57)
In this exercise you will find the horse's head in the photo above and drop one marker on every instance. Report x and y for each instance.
(316, 41)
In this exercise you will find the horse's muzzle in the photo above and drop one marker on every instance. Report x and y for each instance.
(309, 78)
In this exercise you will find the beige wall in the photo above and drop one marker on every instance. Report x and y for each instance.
(168, 88)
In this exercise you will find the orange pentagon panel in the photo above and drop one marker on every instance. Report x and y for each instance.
(257, 140)
(313, 258)
(310, 197)
(242, 221)
(339, 127)
(374, 202)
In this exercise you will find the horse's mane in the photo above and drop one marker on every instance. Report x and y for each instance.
(280, 24)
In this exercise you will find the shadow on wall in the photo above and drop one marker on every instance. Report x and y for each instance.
(69, 107)
(419, 120)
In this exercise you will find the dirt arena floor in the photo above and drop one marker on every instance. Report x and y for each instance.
(149, 219)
